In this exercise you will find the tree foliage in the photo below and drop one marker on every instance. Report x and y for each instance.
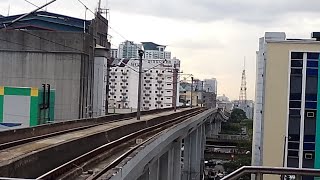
(237, 115)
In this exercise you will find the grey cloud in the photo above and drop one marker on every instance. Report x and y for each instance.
(251, 11)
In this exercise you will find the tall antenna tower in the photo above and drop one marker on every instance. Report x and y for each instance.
(243, 88)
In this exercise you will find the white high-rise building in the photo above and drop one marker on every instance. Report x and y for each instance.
(211, 85)
(128, 49)
(155, 51)
(159, 86)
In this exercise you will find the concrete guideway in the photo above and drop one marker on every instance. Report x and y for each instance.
(160, 158)
(107, 156)
(33, 159)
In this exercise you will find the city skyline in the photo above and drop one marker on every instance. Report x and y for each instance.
(193, 36)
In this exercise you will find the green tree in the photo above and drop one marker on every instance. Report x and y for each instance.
(237, 115)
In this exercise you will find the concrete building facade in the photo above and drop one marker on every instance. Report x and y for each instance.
(59, 52)
(157, 84)
(287, 121)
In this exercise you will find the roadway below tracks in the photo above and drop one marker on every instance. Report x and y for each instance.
(81, 149)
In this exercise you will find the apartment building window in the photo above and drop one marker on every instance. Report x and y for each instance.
(115, 77)
(303, 94)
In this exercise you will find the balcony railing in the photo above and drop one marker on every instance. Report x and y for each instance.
(259, 171)
(147, 94)
(159, 81)
(124, 73)
(146, 108)
(124, 87)
(123, 94)
(124, 80)
(112, 80)
(146, 101)
(147, 88)
(112, 86)
(112, 93)
(159, 102)
(159, 95)
(147, 81)
(148, 74)
(159, 88)
(112, 73)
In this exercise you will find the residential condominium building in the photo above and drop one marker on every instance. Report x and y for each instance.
(128, 49)
(159, 84)
(286, 117)
(155, 51)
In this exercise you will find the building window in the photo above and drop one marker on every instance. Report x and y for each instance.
(115, 96)
(156, 91)
(120, 90)
(150, 91)
(127, 90)
(150, 105)
(149, 98)
(115, 77)
(150, 84)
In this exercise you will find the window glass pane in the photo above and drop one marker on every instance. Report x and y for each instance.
(293, 145)
(296, 71)
(296, 63)
(312, 63)
(293, 153)
(309, 138)
(294, 137)
(294, 112)
(296, 55)
(310, 97)
(308, 146)
(311, 105)
(295, 96)
(312, 72)
(313, 56)
(295, 104)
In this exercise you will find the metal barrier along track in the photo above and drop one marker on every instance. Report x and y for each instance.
(35, 138)
(83, 159)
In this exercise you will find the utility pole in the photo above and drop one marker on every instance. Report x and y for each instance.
(202, 92)
(191, 91)
(140, 52)
(175, 81)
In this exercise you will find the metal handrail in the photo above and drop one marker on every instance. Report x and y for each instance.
(260, 170)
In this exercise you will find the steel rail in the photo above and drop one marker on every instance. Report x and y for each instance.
(35, 138)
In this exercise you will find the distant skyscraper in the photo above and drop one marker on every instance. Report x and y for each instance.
(211, 85)
(128, 49)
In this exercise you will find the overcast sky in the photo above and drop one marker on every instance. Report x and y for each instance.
(210, 37)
